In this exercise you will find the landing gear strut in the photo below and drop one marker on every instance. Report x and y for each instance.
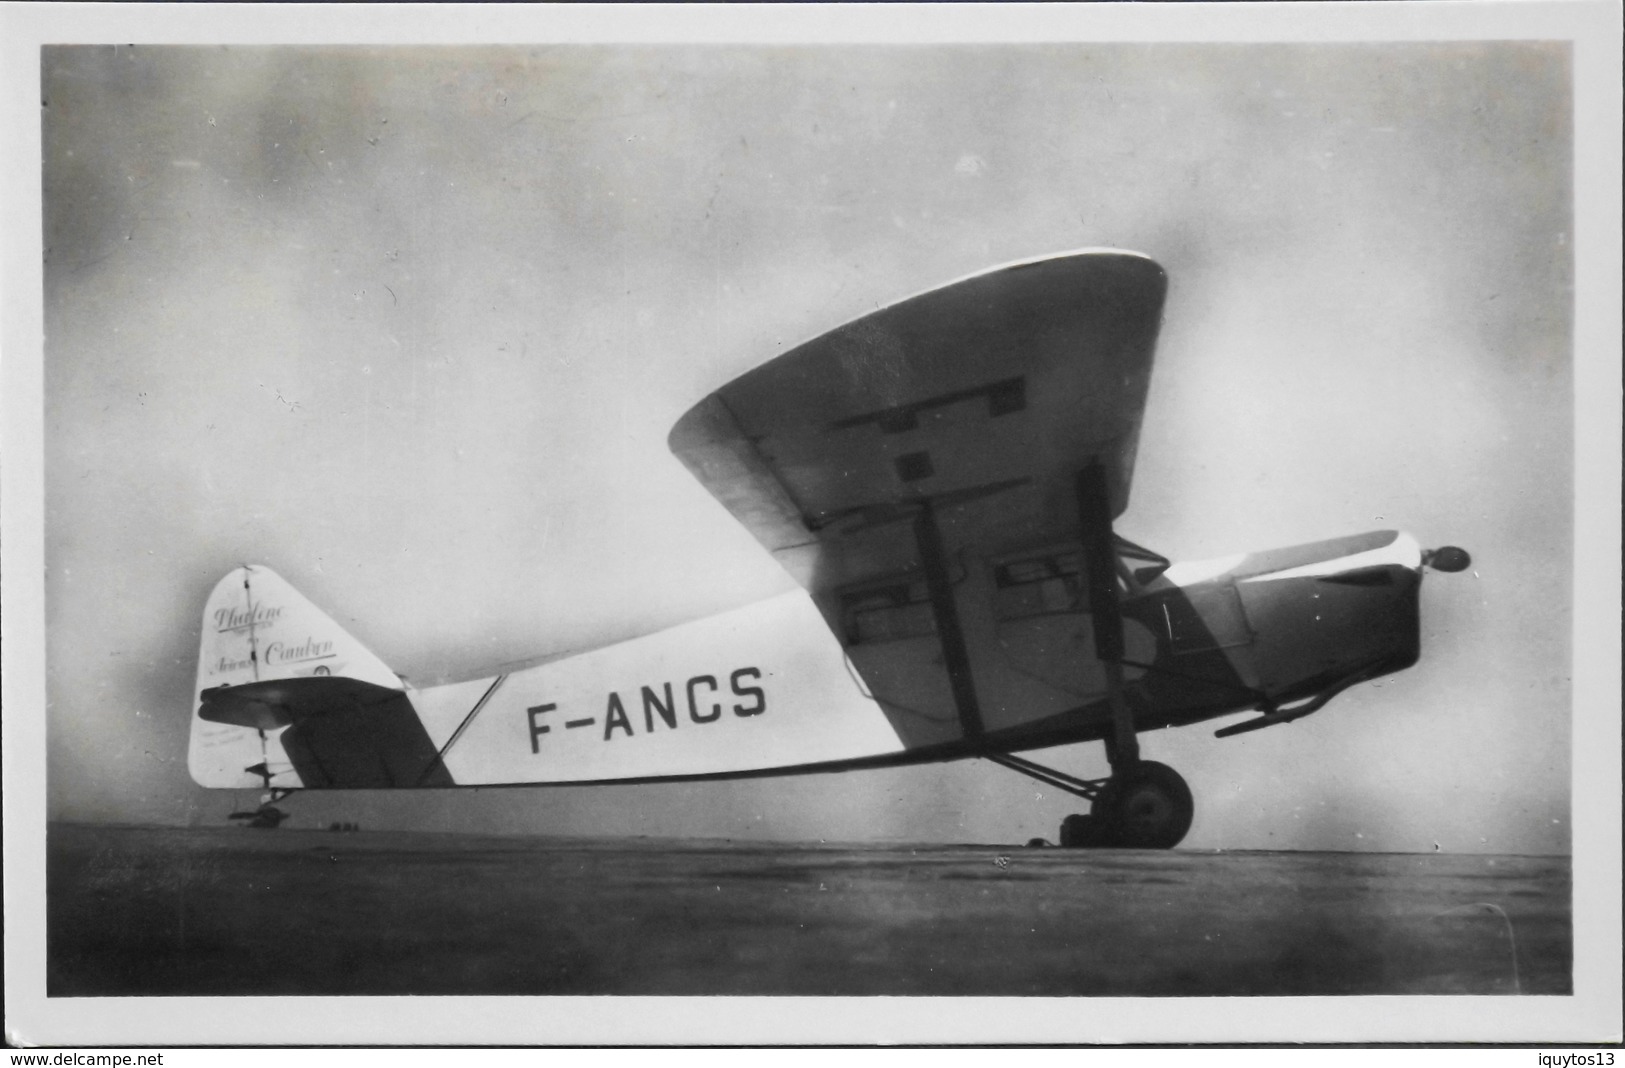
(1146, 807)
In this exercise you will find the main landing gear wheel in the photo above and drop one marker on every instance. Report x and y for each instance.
(1149, 807)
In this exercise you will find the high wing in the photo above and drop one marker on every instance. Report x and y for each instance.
(983, 398)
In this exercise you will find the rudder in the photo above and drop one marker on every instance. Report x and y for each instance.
(287, 698)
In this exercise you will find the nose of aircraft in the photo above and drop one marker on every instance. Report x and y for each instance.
(1446, 558)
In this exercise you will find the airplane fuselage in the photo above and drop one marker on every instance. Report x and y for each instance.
(769, 689)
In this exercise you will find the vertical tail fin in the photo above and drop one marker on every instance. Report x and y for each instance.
(258, 629)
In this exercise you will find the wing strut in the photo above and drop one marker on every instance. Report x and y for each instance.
(1100, 570)
(940, 586)
(439, 760)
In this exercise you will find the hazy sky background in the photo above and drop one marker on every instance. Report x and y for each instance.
(410, 325)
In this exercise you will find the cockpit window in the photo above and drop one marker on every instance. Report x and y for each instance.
(1197, 621)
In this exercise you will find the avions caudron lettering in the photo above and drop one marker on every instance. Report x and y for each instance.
(942, 477)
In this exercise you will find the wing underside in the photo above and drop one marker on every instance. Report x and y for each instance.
(984, 398)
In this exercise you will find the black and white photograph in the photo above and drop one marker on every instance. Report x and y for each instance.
(1078, 512)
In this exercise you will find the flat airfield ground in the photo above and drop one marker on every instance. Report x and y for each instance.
(221, 911)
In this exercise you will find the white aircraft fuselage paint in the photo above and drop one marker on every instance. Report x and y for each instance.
(764, 686)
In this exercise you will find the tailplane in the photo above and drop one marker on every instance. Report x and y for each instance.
(286, 698)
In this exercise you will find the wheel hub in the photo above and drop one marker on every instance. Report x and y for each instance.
(1146, 808)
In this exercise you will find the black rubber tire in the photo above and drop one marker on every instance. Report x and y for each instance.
(1148, 808)
(1082, 832)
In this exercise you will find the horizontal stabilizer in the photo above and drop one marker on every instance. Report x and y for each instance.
(282, 702)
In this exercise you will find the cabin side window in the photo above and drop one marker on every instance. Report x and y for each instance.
(886, 613)
(1039, 584)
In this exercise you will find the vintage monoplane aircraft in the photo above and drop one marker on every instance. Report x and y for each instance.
(941, 476)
